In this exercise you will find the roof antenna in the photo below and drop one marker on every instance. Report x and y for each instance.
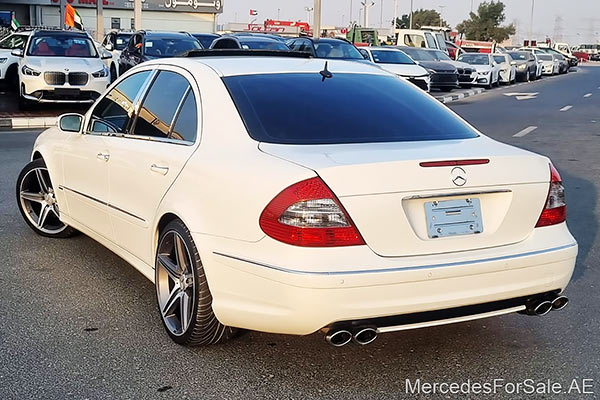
(325, 73)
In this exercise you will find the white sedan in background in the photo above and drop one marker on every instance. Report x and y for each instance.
(9, 63)
(488, 71)
(549, 63)
(61, 67)
(508, 70)
(396, 62)
(259, 210)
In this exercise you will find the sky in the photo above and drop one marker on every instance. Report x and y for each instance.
(572, 21)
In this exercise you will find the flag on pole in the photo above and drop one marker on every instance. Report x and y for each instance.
(14, 24)
(253, 12)
(72, 18)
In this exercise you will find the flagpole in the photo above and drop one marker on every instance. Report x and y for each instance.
(61, 22)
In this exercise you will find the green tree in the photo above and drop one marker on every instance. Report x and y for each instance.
(486, 24)
(420, 18)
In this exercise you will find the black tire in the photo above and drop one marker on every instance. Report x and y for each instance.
(12, 78)
(51, 226)
(204, 328)
(113, 73)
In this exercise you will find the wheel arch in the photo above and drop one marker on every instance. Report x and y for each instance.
(36, 155)
(163, 221)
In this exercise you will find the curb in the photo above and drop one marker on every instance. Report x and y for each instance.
(460, 96)
(27, 123)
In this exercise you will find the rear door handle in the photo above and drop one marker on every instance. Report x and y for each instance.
(103, 156)
(159, 169)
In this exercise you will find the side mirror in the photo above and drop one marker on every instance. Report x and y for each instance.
(105, 55)
(17, 52)
(109, 46)
(70, 122)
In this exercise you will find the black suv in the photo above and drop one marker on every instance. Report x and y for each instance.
(150, 45)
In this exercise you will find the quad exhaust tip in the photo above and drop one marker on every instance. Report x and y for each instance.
(361, 336)
(365, 336)
(338, 338)
(543, 305)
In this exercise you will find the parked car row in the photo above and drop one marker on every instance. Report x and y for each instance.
(68, 66)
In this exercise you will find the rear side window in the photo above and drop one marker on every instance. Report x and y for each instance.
(186, 125)
(347, 108)
(431, 43)
(159, 107)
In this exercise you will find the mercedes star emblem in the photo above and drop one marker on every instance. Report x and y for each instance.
(459, 176)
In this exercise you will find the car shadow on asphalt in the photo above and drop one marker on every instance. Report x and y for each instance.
(583, 224)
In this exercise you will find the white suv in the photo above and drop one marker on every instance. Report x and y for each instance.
(8, 62)
(60, 67)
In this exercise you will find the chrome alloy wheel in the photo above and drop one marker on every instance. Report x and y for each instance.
(175, 283)
(37, 198)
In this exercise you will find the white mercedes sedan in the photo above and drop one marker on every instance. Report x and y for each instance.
(293, 195)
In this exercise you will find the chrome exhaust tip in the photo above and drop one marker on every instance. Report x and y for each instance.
(338, 338)
(542, 308)
(365, 336)
(560, 302)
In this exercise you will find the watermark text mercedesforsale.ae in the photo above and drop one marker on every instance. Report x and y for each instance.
(577, 386)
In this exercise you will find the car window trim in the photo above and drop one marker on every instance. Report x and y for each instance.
(178, 111)
(139, 102)
(143, 89)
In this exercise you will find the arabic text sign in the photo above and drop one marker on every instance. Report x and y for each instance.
(203, 6)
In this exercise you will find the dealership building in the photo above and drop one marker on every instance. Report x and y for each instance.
(170, 15)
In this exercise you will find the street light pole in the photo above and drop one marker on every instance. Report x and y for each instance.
(441, 11)
(411, 15)
(395, 19)
(137, 14)
(317, 19)
(531, 20)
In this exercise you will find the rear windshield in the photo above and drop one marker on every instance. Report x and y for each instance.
(347, 108)
(545, 57)
(520, 55)
(420, 55)
(170, 46)
(475, 59)
(391, 57)
(264, 45)
(122, 40)
(338, 50)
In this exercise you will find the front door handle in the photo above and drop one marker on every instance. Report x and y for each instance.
(159, 169)
(103, 156)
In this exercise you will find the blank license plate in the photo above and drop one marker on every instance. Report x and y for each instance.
(66, 92)
(453, 217)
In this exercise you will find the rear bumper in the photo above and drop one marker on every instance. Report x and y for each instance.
(278, 298)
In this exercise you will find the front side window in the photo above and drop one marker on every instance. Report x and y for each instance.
(441, 56)
(441, 41)
(160, 104)
(114, 112)
(263, 45)
(397, 111)
(56, 45)
(13, 42)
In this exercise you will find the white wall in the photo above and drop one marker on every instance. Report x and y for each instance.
(155, 20)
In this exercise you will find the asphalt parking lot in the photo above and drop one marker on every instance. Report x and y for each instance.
(78, 322)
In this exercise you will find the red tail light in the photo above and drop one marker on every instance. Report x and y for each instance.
(555, 211)
(309, 214)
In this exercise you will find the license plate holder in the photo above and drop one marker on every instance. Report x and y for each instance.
(453, 217)
(67, 92)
